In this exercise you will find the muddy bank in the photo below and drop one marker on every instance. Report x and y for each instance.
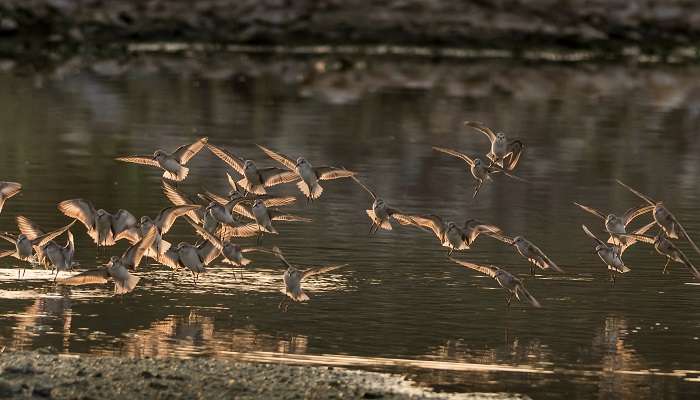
(609, 25)
(34, 375)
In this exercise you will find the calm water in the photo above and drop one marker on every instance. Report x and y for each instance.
(400, 305)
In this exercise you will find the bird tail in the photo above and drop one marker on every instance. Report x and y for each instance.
(312, 193)
(297, 295)
(522, 294)
(622, 270)
(386, 224)
(181, 174)
(127, 285)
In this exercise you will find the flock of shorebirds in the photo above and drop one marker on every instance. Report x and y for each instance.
(249, 210)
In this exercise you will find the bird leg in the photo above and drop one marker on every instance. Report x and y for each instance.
(509, 298)
(283, 303)
(532, 270)
(449, 252)
(371, 228)
(476, 189)
(668, 260)
(612, 278)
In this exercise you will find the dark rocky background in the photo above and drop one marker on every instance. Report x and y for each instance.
(607, 25)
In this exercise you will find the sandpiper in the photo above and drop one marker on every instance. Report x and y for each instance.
(480, 170)
(527, 249)
(666, 220)
(615, 225)
(163, 222)
(194, 258)
(293, 277)
(505, 154)
(611, 254)
(255, 180)
(60, 257)
(173, 164)
(310, 176)
(264, 216)
(450, 234)
(118, 267)
(102, 226)
(381, 214)
(513, 286)
(666, 248)
(26, 247)
(7, 190)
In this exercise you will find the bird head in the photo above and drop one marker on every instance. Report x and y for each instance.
(500, 136)
(158, 154)
(301, 161)
(101, 212)
(248, 163)
(518, 239)
(112, 261)
(258, 203)
(145, 220)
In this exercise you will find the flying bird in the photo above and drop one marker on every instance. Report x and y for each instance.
(381, 214)
(615, 225)
(666, 220)
(173, 164)
(504, 153)
(117, 269)
(527, 249)
(449, 233)
(513, 286)
(26, 247)
(7, 190)
(666, 248)
(310, 176)
(293, 278)
(480, 170)
(191, 257)
(102, 226)
(255, 180)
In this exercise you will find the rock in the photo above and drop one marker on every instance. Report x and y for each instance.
(7, 389)
(8, 25)
(42, 391)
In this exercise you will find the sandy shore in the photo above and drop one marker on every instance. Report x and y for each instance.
(36, 375)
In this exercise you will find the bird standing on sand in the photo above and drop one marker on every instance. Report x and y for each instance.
(310, 176)
(480, 170)
(449, 234)
(505, 154)
(102, 226)
(173, 164)
(666, 220)
(381, 214)
(118, 267)
(615, 225)
(513, 286)
(255, 180)
(7, 190)
(527, 249)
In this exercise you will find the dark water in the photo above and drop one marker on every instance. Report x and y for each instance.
(400, 305)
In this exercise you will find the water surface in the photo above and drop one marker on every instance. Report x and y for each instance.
(400, 305)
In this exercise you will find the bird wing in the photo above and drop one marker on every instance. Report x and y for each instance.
(592, 211)
(276, 215)
(329, 173)
(242, 208)
(10, 237)
(28, 227)
(476, 230)
(179, 199)
(280, 158)
(522, 293)
(635, 212)
(279, 201)
(685, 233)
(210, 196)
(401, 218)
(208, 252)
(320, 270)
(367, 189)
(185, 153)
(482, 128)
(499, 236)
(93, 276)
(686, 261)
(272, 176)
(591, 235)
(7, 190)
(639, 237)
(276, 251)
(133, 255)
(42, 240)
(493, 167)
(132, 235)
(430, 221)
(515, 150)
(246, 230)
(640, 195)
(486, 270)
(206, 235)
(145, 160)
(233, 161)
(123, 220)
(80, 209)
(455, 153)
(167, 216)
(169, 258)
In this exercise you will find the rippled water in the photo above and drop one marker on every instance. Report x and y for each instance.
(400, 305)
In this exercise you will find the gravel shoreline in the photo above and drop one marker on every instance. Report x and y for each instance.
(36, 375)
